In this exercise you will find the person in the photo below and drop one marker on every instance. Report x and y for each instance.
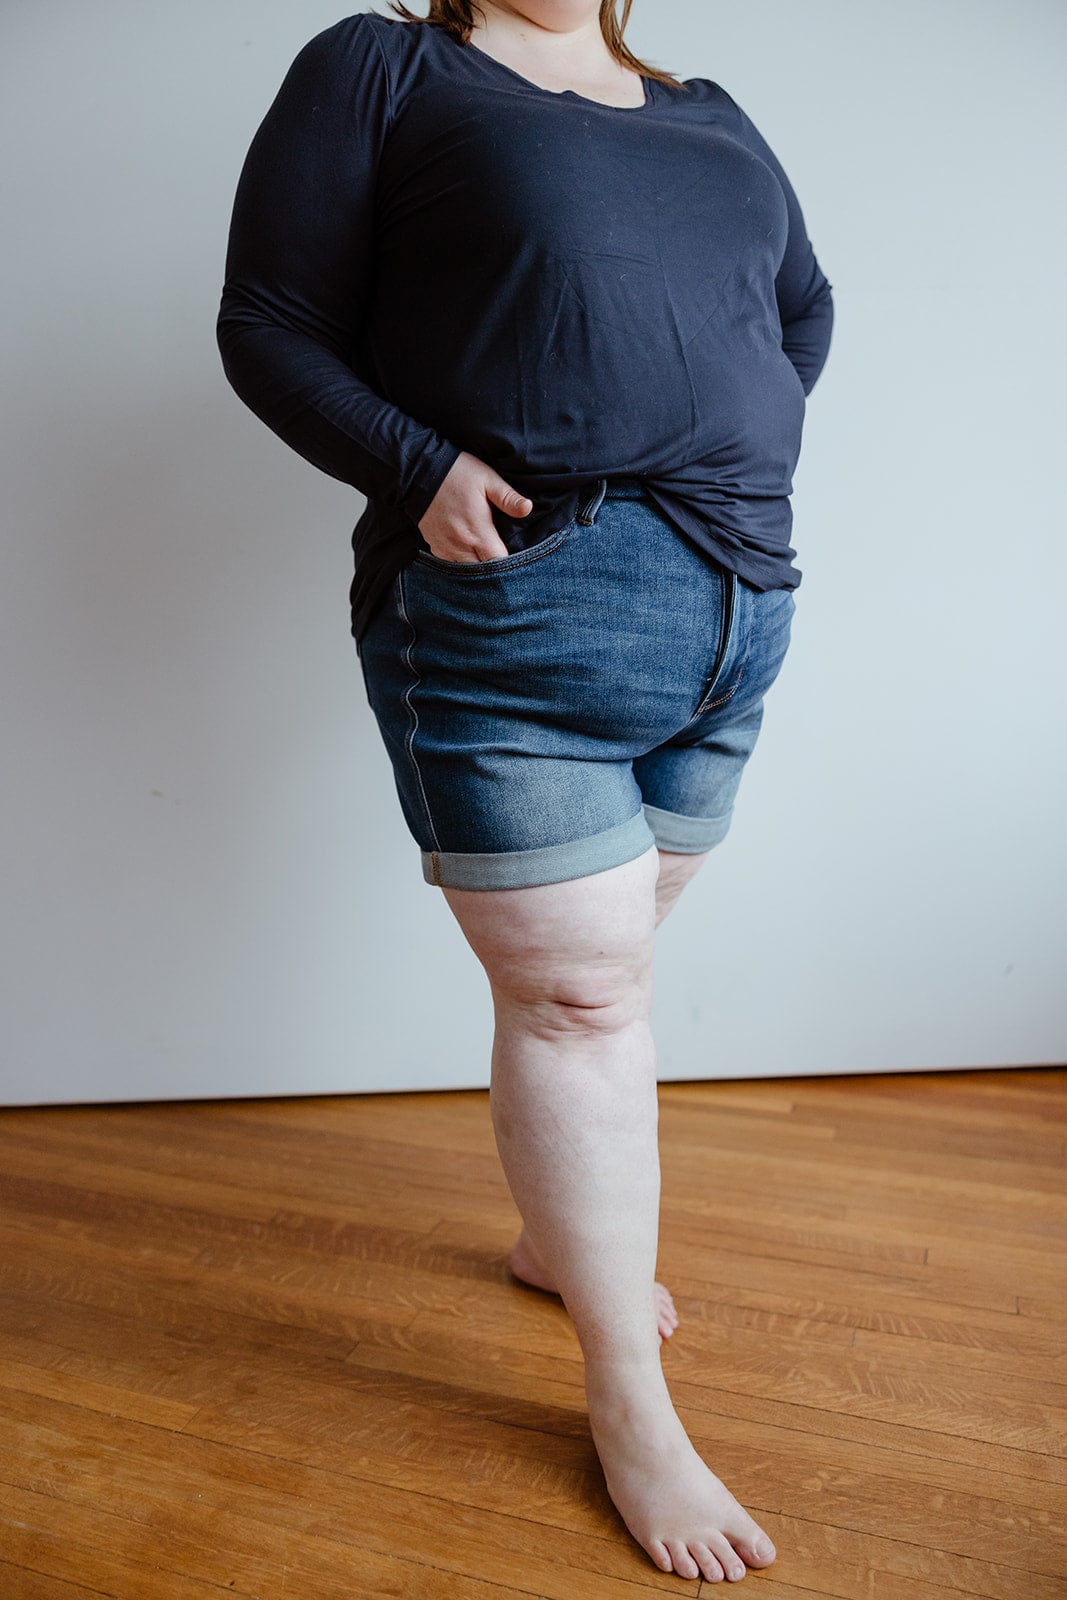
(555, 314)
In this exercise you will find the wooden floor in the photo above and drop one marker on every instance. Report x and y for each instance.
(271, 1348)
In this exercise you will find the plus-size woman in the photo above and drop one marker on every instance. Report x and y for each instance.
(556, 315)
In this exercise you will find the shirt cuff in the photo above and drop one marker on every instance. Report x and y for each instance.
(433, 469)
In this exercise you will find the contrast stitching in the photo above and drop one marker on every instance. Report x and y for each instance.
(506, 563)
(416, 679)
(587, 513)
(729, 589)
(711, 704)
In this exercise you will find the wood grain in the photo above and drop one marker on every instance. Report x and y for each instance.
(272, 1348)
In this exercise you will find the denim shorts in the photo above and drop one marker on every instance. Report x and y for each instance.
(557, 711)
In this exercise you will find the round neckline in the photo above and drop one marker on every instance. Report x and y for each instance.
(561, 94)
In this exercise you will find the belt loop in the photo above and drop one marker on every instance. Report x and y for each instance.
(587, 513)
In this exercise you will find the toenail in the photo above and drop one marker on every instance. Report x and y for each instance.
(764, 1548)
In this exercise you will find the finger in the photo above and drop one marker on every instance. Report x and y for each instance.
(508, 499)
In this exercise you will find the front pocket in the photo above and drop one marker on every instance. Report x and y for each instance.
(508, 563)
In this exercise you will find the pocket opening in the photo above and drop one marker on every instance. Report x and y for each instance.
(514, 558)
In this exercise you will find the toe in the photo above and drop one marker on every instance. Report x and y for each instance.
(755, 1548)
(681, 1560)
(663, 1295)
(707, 1561)
(731, 1562)
(660, 1554)
(666, 1316)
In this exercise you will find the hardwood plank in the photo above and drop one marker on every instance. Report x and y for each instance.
(836, 1562)
(272, 1347)
(112, 1399)
(19, 1583)
(289, 1527)
(490, 1379)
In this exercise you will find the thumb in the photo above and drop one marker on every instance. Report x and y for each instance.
(508, 499)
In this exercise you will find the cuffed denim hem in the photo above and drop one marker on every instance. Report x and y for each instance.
(523, 869)
(687, 835)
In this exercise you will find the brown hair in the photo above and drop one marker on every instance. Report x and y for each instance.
(456, 17)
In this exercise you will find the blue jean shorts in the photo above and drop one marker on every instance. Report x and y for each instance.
(557, 711)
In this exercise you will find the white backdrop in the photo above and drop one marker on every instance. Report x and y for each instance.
(209, 888)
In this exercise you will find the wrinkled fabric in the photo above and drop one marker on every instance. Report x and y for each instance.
(554, 712)
(428, 253)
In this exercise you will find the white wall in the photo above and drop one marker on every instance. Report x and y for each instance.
(209, 889)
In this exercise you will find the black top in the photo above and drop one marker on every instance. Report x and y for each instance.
(429, 253)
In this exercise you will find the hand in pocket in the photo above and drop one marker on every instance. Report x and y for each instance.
(458, 523)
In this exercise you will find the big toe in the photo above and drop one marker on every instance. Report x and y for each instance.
(757, 1550)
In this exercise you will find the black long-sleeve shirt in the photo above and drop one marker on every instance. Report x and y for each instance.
(429, 253)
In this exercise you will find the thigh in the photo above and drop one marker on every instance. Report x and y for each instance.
(675, 871)
(582, 941)
(514, 694)
(552, 714)
(502, 784)
(689, 782)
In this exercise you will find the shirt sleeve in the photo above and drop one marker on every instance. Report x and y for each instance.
(298, 274)
(805, 300)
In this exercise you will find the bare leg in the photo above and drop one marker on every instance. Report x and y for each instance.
(575, 1112)
(675, 871)
(526, 1263)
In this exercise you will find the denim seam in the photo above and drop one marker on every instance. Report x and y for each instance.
(415, 681)
(461, 868)
(729, 621)
(505, 563)
(584, 517)
(721, 701)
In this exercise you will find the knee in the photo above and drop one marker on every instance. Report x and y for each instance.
(572, 957)
(568, 998)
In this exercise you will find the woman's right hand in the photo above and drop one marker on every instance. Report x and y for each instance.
(458, 523)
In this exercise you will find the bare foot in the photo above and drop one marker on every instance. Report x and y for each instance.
(526, 1264)
(673, 1504)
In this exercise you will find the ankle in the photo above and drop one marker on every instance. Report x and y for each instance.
(621, 1380)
